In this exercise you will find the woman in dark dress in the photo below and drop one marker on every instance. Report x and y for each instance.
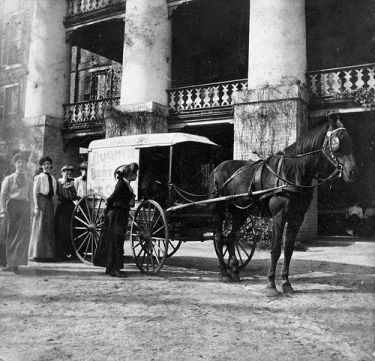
(110, 251)
(66, 194)
(16, 199)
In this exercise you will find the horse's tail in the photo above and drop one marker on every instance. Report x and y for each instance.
(213, 188)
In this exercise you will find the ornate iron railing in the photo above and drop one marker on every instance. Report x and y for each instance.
(85, 113)
(332, 82)
(77, 7)
(204, 96)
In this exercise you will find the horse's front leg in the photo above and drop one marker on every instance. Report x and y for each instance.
(291, 233)
(277, 234)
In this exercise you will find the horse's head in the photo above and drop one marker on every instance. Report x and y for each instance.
(338, 148)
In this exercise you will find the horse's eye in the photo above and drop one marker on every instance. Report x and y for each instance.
(335, 144)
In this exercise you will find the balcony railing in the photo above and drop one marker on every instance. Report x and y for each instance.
(77, 7)
(204, 97)
(332, 82)
(87, 113)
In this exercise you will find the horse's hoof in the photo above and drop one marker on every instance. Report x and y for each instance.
(272, 292)
(235, 277)
(287, 288)
(224, 277)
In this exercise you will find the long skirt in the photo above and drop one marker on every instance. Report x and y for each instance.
(63, 217)
(3, 240)
(110, 250)
(18, 232)
(42, 240)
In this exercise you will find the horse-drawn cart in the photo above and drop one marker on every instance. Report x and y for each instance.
(166, 214)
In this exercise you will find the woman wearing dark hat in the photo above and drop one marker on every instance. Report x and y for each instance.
(110, 251)
(15, 202)
(42, 241)
(66, 194)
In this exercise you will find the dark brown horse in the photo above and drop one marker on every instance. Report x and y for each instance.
(327, 144)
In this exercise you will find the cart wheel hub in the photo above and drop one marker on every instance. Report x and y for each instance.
(91, 227)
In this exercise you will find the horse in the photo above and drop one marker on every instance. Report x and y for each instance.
(290, 174)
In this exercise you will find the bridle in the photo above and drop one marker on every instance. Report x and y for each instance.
(332, 143)
(328, 149)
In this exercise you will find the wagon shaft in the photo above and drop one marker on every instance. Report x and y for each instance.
(225, 198)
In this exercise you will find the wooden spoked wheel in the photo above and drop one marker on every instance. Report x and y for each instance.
(149, 237)
(86, 225)
(173, 244)
(245, 244)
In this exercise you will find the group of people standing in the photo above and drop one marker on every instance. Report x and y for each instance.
(22, 199)
(48, 238)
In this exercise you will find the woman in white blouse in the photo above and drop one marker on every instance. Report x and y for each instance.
(42, 241)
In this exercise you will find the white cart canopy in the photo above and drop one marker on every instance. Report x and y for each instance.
(149, 140)
(105, 155)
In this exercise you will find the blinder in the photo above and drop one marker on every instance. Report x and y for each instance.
(332, 142)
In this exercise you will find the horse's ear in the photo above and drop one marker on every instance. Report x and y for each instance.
(338, 123)
(331, 120)
(334, 121)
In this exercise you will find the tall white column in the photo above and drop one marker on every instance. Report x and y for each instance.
(272, 113)
(47, 82)
(277, 42)
(147, 52)
(47, 85)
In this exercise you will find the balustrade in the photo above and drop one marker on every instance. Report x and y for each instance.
(332, 82)
(205, 96)
(83, 113)
(77, 7)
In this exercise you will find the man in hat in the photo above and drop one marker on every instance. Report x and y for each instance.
(16, 199)
(80, 183)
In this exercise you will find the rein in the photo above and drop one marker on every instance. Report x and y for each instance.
(330, 156)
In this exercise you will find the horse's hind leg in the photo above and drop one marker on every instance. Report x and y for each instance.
(234, 271)
(218, 216)
(277, 234)
(291, 233)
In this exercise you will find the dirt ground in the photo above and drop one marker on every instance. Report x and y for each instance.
(71, 311)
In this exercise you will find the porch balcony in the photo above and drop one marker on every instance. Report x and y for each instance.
(345, 86)
(87, 115)
(81, 12)
(213, 100)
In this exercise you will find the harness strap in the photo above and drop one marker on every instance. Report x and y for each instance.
(256, 182)
(279, 165)
(299, 187)
(232, 177)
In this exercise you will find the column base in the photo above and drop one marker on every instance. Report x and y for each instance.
(41, 135)
(267, 120)
(142, 118)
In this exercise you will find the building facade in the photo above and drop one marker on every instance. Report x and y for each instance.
(250, 74)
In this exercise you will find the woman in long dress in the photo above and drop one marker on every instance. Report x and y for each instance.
(110, 251)
(15, 202)
(42, 241)
(66, 194)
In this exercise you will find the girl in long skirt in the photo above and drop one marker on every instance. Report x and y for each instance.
(66, 194)
(110, 251)
(15, 202)
(42, 241)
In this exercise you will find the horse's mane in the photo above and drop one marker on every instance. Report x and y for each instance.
(304, 166)
(311, 140)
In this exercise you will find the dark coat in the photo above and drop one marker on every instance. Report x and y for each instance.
(110, 250)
